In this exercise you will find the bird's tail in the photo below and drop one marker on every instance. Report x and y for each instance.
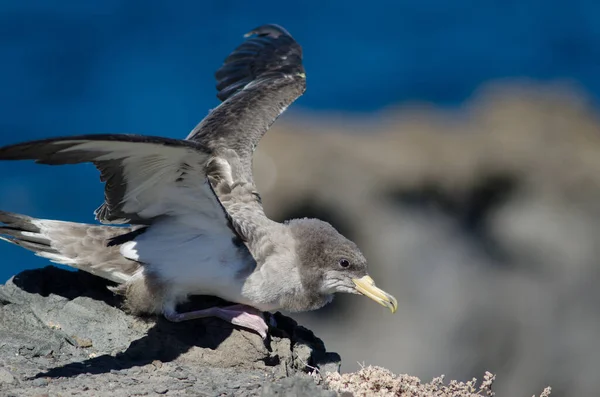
(92, 248)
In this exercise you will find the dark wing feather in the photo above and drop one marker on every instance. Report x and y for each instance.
(257, 82)
(270, 51)
(145, 177)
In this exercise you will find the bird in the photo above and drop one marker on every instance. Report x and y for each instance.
(183, 217)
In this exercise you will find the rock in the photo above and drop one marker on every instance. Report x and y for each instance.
(296, 386)
(39, 382)
(65, 331)
(82, 342)
(6, 377)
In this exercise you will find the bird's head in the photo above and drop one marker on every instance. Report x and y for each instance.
(331, 263)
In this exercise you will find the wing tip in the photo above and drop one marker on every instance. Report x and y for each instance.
(269, 29)
(268, 50)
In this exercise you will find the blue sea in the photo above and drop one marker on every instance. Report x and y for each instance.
(74, 67)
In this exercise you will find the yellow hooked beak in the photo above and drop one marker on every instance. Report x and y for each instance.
(366, 286)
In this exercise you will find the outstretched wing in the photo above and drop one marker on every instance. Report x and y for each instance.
(257, 82)
(145, 177)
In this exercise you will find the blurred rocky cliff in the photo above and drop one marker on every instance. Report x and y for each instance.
(483, 222)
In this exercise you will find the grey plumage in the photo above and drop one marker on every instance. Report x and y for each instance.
(108, 153)
(197, 221)
(78, 245)
(257, 82)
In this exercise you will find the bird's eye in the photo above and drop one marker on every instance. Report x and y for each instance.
(344, 263)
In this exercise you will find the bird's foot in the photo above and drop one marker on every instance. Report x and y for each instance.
(240, 315)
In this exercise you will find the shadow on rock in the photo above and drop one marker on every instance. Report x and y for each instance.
(71, 323)
(68, 284)
(164, 342)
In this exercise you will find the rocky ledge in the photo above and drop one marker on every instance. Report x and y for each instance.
(62, 333)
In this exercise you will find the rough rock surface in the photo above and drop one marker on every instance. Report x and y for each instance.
(62, 333)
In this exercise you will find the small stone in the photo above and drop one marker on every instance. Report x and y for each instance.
(158, 364)
(6, 377)
(40, 382)
(174, 388)
(113, 386)
(160, 390)
(178, 375)
(53, 325)
(82, 342)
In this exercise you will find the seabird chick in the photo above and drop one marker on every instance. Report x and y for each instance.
(196, 221)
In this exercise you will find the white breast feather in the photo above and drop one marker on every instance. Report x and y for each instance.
(199, 259)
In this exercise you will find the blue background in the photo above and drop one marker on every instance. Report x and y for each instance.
(146, 67)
